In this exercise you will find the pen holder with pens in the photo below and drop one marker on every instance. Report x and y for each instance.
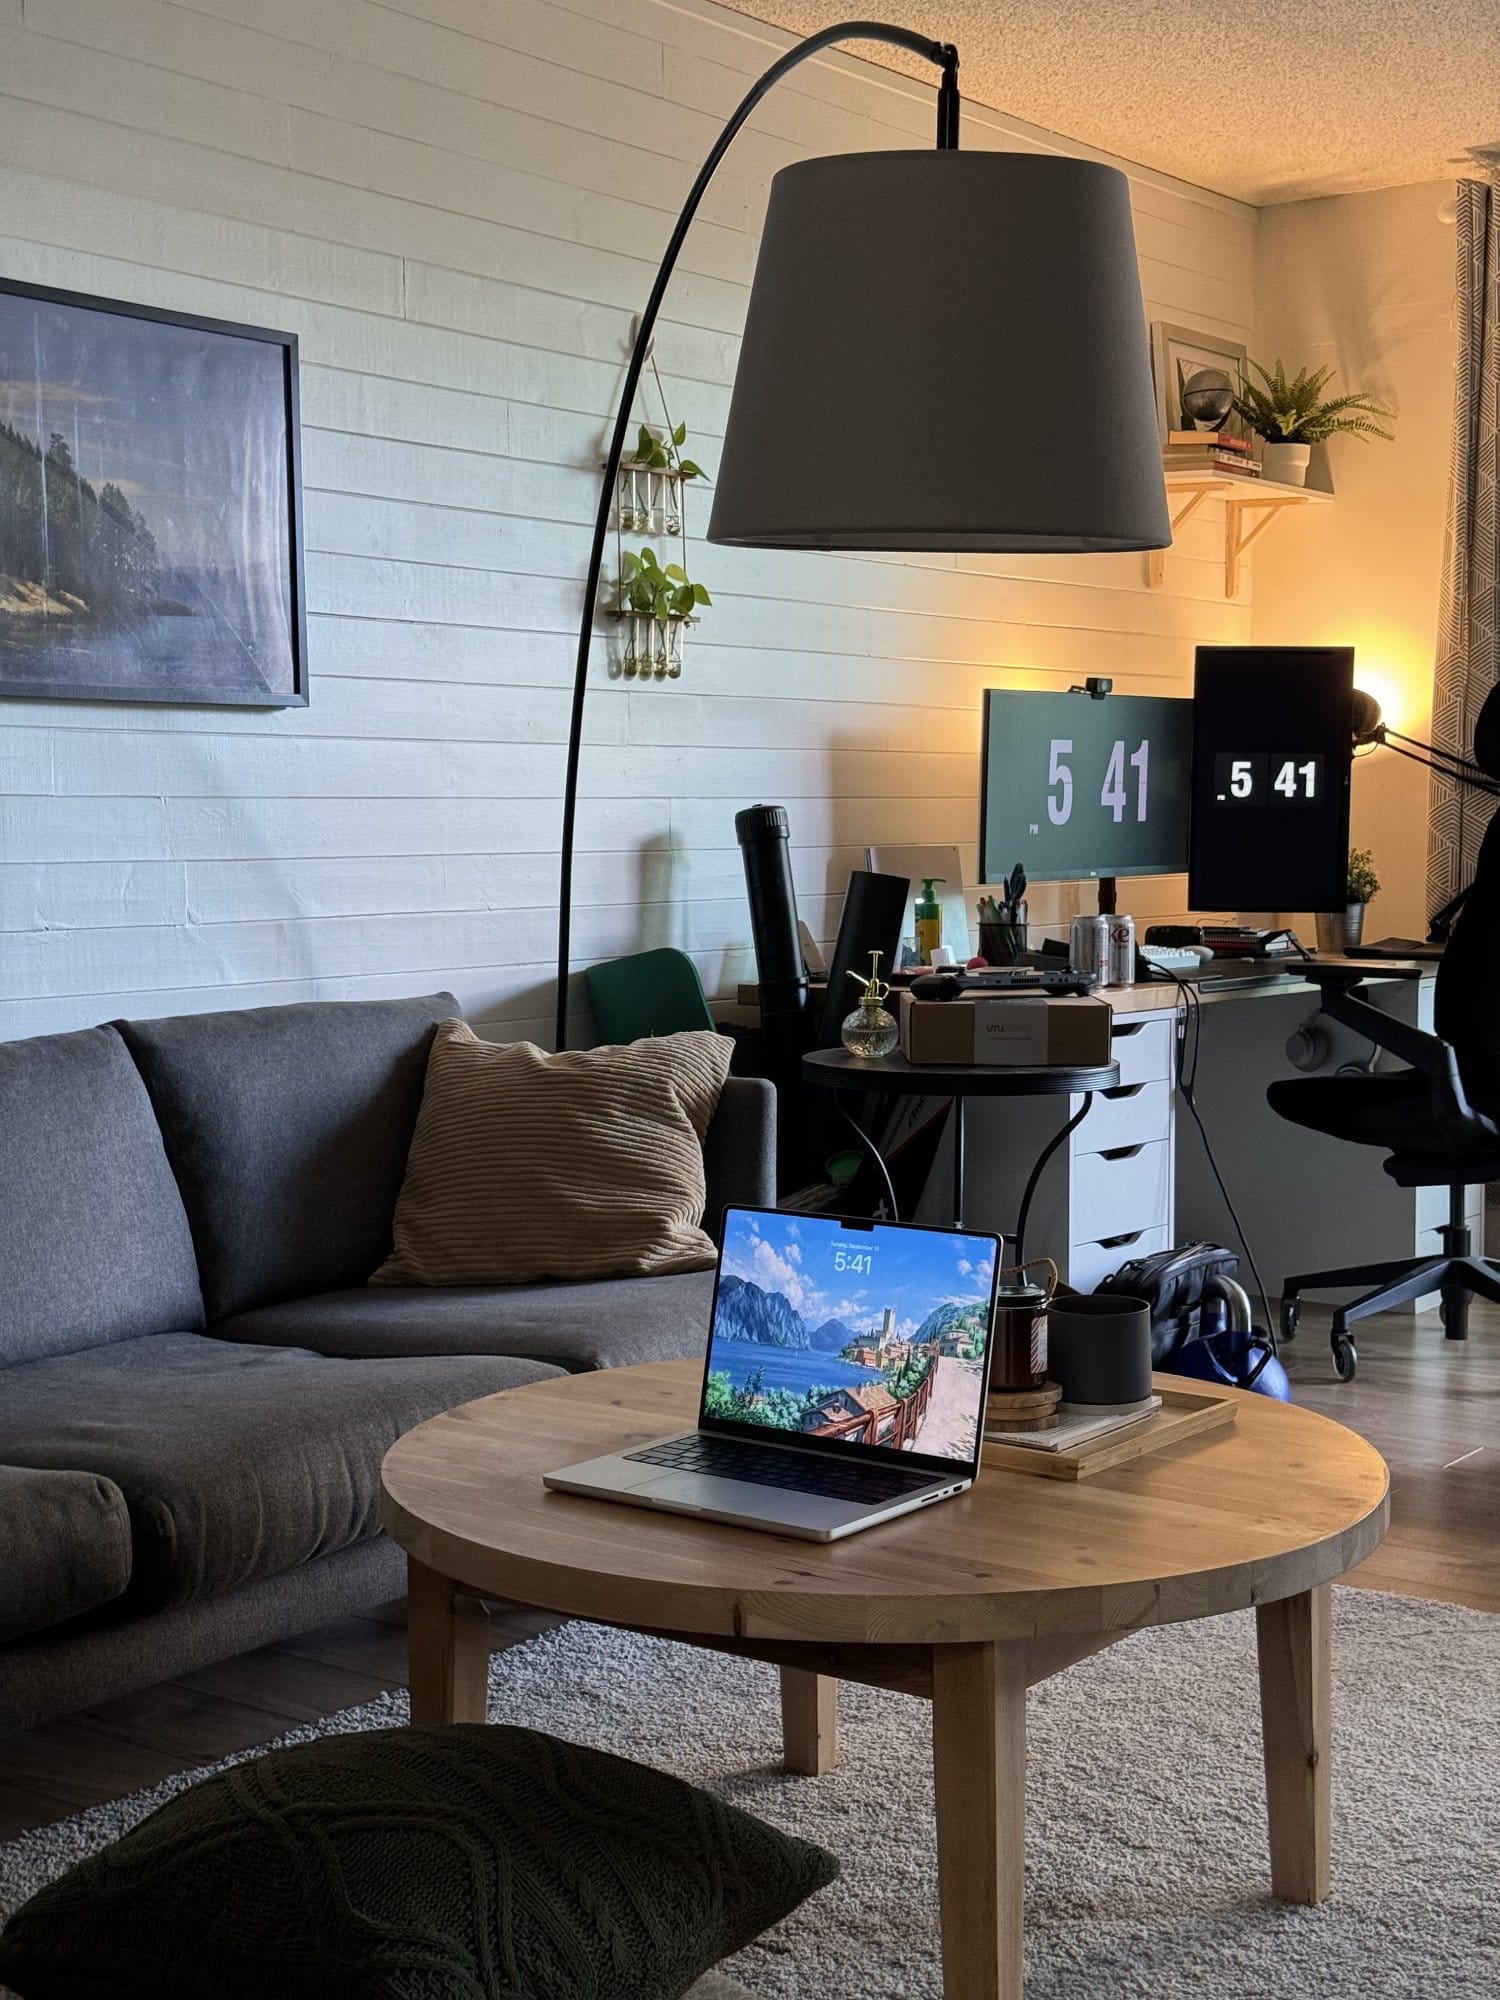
(1001, 944)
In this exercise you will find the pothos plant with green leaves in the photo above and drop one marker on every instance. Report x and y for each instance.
(656, 452)
(656, 592)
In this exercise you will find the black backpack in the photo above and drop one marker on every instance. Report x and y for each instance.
(1171, 1282)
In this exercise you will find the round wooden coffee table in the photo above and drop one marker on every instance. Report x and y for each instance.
(967, 1604)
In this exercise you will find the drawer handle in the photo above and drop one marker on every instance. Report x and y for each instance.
(1123, 1090)
(1119, 1242)
(1122, 1152)
(1123, 1028)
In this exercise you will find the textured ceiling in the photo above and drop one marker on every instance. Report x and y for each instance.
(1266, 100)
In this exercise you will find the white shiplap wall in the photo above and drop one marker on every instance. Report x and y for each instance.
(457, 205)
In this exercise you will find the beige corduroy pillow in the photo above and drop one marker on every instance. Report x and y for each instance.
(587, 1164)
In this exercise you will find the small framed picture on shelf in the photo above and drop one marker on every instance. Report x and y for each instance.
(1197, 377)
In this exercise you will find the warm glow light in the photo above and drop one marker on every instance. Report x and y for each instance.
(1386, 688)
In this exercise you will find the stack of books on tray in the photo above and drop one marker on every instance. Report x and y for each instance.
(1210, 451)
(1074, 1425)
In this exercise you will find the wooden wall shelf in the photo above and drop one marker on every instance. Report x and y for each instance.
(1250, 506)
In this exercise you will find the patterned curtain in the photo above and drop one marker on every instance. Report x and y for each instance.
(1468, 655)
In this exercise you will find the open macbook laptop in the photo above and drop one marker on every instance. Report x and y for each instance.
(844, 1381)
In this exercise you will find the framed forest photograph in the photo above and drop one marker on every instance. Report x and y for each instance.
(150, 505)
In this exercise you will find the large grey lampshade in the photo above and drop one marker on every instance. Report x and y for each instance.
(944, 350)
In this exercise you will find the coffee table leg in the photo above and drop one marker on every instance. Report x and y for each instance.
(1293, 1641)
(809, 1721)
(448, 1645)
(979, 1763)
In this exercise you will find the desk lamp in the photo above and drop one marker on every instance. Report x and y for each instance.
(956, 343)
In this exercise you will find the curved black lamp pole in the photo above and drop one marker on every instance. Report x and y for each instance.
(945, 56)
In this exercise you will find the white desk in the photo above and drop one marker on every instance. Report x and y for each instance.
(1133, 1177)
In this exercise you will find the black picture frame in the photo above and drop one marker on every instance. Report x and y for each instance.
(248, 660)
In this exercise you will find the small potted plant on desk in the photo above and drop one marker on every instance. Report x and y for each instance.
(1339, 929)
(1292, 416)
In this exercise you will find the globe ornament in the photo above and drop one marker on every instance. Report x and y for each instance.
(1207, 398)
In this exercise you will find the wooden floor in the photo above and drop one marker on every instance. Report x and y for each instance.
(1430, 1405)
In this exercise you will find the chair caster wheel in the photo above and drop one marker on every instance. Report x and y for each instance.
(1291, 1312)
(1345, 1358)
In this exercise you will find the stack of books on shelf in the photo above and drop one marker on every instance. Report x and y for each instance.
(1210, 451)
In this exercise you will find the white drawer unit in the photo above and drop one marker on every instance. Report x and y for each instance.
(1128, 1188)
(1135, 1114)
(1142, 1046)
(1122, 1158)
(1107, 1195)
(1090, 1263)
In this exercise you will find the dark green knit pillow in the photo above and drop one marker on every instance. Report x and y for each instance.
(415, 1864)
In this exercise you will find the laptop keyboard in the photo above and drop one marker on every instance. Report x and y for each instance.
(758, 1465)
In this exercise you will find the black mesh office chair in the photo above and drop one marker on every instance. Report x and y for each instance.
(1439, 1119)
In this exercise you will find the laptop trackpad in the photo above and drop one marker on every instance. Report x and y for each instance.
(703, 1493)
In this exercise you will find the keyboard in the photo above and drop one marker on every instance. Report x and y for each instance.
(1172, 957)
(796, 1472)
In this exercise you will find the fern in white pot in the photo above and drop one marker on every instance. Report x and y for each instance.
(1291, 415)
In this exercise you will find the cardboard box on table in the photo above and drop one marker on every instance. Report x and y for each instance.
(1005, 1032)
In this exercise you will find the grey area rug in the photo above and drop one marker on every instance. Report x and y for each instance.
(1147, 1871)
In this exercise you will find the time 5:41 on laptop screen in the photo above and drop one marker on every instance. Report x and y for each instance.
(867, 1336)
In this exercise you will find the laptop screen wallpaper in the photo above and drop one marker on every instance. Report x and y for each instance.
(866, 1336)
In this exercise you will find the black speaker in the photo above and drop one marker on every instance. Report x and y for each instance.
(874, 913)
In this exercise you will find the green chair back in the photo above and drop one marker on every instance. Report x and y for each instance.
(649, 993)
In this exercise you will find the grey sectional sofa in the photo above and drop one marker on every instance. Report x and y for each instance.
(197, 1386)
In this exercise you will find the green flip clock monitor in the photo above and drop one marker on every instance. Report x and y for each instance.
(1073, 786)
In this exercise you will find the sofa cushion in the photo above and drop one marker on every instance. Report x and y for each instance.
(94, 1245)
(236, 1462)
(609, 1324)
(469, 1863)
(585, 1164)
(66, 1543)
(288, 1130)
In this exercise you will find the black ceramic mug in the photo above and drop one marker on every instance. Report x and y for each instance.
(1099, 1348)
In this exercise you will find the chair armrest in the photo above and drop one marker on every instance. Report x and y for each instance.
(1429, 1055)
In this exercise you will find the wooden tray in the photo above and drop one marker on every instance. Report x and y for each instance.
(1184, 1413)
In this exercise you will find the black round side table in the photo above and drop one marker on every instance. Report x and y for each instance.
(893, 1075)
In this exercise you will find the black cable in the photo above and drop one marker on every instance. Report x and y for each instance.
(872, 1149)
(1039, 1169)
(1192, 1013)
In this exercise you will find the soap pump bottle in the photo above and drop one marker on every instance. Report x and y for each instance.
(929, 919)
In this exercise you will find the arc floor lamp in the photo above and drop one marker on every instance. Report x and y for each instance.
(983, 307)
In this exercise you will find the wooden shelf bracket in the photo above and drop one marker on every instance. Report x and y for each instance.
(1157, 558)
(1249, 509)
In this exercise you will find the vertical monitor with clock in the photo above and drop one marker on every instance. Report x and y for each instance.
(1073, 787)
(1272, 740)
